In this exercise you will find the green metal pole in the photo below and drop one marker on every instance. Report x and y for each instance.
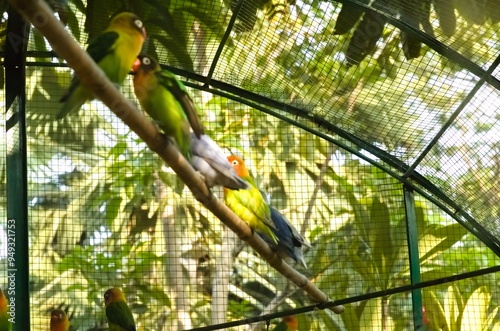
(17, 202)
(412, 237)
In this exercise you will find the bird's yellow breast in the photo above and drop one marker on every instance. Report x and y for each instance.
(117, 64)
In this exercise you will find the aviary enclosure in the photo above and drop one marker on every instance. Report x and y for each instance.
(373, 126)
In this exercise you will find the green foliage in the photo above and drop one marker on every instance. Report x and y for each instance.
(456, 313)
(116, 216)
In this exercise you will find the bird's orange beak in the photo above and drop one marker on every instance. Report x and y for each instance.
(136, 65)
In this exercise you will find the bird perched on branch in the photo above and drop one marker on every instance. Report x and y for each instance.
(169, 104)
(4, 317)
(114, 51)
(167, 101)
(209, 159)
(59, 320)
(272, 226)
(119, 316)
(249, 204)
(289, 323)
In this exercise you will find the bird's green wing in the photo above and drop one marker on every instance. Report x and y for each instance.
(4, 323)
(119, 314)
(171, 83)
(100, 46)
(252, 199)
(258, 202)
(281, 327)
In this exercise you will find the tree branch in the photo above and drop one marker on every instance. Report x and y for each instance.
(41, 16)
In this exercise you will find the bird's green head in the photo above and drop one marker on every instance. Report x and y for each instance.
(114, 294)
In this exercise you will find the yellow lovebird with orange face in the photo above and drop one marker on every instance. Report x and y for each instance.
(249, 204)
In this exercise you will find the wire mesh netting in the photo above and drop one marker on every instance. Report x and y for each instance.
(387, 167)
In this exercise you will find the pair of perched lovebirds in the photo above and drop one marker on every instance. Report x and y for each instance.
(120, 317)
(167, 101)
(118, 313)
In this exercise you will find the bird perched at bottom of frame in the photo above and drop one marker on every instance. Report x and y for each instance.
(288, 323)
(290, 241)
(119, 316)
(249, 204)
(59, 320)
(114, 51)
(167, 101)
(4, 316)
(209, 159)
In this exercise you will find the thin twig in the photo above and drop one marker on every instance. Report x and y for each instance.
(41, 16)
(317, 186)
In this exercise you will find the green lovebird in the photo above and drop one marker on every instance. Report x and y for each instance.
(4, 316)
(249, 204)
(114, 51)
(59, 320)
(289, 323)
(167, 101)
(119, 316)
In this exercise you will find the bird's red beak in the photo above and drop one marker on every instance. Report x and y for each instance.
(144, 33)
(136, 65)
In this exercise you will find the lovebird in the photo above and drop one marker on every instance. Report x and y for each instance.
(209, 160)
(4, 309)
(290, 241)
(59, 320)
(249, 204)
(119, 316)
(289, 323)
(167, 101)
(114, 51)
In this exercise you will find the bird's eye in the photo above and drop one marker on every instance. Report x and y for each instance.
(138, 23)
(60, 316)
(106, 296)
(235, 162)
(146, 61)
